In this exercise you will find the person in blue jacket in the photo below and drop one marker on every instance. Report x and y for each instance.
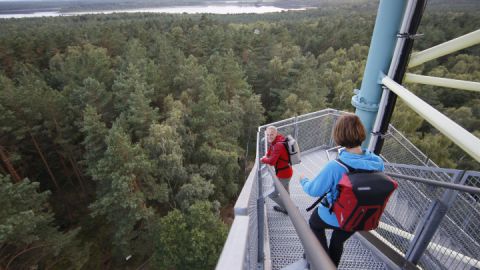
(348, 133)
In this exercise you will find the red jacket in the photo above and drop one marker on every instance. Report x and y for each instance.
(277, 156)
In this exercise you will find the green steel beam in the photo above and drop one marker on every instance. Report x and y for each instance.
(442, 82)
(457, 134)
(448, 47)
(380, 53)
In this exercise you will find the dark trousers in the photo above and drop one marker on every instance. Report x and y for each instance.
(337, 240)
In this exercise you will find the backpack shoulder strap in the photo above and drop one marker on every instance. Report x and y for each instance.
(351, 169)
(285, 145)
(341, 163)
(316, 202)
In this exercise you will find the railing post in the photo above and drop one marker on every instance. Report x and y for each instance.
(295, 128)
(331, 141)
(428, 226)
(260, 206)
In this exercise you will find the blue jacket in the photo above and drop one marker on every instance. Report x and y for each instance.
(330, 175)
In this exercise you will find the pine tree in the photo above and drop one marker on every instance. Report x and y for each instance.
(138, 115)
(122, 173)
(132, 103)
(295, 107)
(12, 130)
(190, 77)
(177, 116)
(163, 145)
(44, 121)
(229, 75)
(189, 240)
(168, 59)
(28, 236)
(90, 93)
(95, 133)
(216, 150)
(197, 189)
(79, 63)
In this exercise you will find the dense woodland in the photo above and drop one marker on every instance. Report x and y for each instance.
(122, 137)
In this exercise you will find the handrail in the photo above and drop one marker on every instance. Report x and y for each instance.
(235, 248)
(235, 251)
(457, 134)
(316, 255)
(458, 187)
(242, 203)
(260, 202)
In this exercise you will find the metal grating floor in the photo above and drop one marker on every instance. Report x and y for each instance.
(285, 246)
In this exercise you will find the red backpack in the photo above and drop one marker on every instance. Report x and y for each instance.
(362, 197)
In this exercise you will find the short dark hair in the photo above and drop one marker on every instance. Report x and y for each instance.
(349, 131)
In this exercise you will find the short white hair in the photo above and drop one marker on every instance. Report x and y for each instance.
(272, 128)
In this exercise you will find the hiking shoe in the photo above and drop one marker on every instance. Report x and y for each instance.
(280, 209)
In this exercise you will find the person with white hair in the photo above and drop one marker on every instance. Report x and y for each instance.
(277, 156)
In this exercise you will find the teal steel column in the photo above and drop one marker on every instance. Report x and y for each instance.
(384, 37)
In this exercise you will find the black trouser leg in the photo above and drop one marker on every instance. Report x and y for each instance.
(318, 229)
(337, 240)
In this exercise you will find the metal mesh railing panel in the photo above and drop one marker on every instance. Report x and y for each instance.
(316, 132)
(246, 234)
(252, 254)
(404, 211)
(456, 244)
(398, 149)
(408, 204)
(261, 135)
(473, 180)
(311, 130)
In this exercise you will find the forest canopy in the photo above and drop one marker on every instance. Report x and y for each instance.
(124, 136)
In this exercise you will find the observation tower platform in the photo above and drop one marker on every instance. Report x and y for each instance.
(432, 221)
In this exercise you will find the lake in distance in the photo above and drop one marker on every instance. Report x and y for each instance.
(213, 9)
